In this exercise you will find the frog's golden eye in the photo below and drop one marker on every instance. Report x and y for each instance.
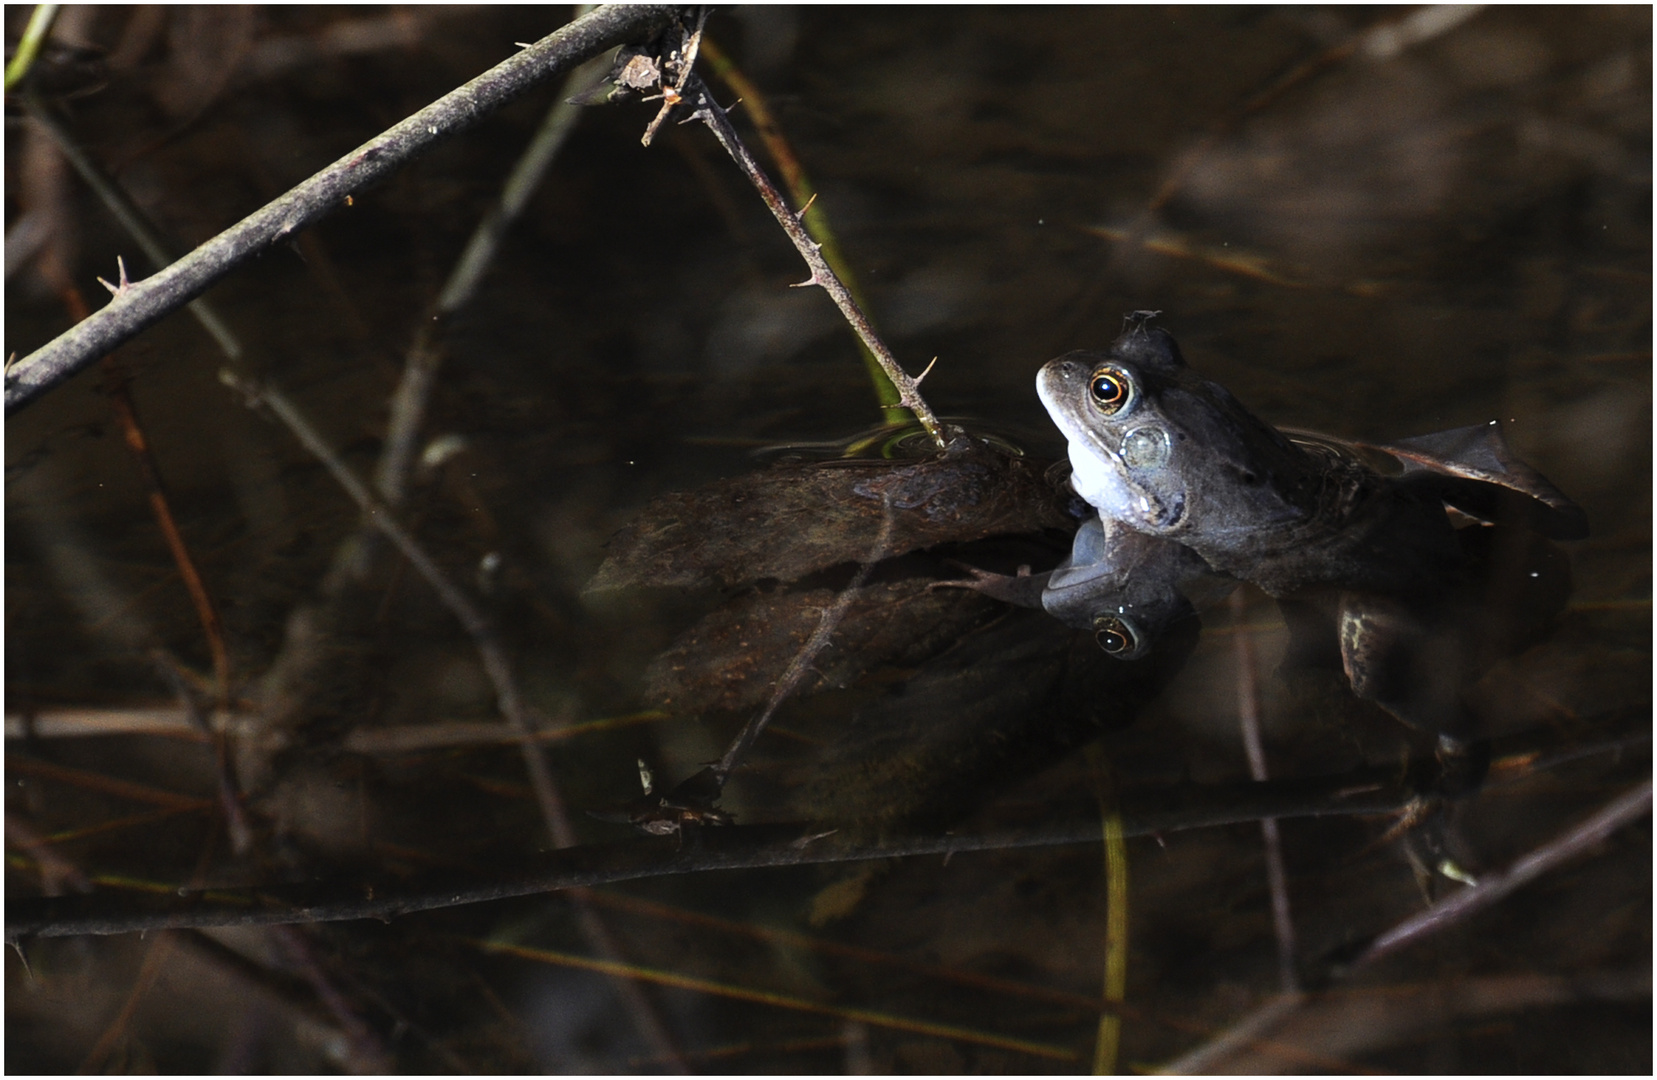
(1111, 390)
(1116, 636)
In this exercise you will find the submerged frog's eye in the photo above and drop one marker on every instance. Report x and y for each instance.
(1146, 447)
(1116, 636)
(1111, 390)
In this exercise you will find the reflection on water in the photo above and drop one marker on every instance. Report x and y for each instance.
(1373, 233)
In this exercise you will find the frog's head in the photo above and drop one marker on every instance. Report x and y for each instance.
(1157, 447)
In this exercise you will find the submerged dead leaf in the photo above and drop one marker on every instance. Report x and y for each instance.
(733, 658)
(792, 520)
(1006, 702)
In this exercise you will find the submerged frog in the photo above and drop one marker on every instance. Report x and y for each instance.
(1356, 533)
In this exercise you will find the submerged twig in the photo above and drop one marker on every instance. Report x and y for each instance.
(784, 1001)
(1245, 1032)
(154, 298)
(408, 403)
(131, 218)
(1335, 1030)
(800, 666)
(176, 723)
(126, 415)
(230, 796)
(471, 617)
(1248, 719)
(496, 664)
(365, 1052)
(1491, 888)
(1368, 791)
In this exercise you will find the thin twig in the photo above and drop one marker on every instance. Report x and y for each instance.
(1108, 1041)
(804, 194)
(366, 1053)
(784, 1001)
(408, 403)
(176, 723)
(156, 954)
(1341, 1031)
(1491, 888)
(800, 666)
(681, 60)
(230, 801)
(57, 873)
(130, 217)
(126, 414)
(471, 617)
(1369, 791)
(476, 624)
(1248, 718)
(151, 300)
(496, 665)
(708, 111)
(1245, 1032)
(1623, 810)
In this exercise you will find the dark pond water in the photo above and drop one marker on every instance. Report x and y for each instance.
(1361, 224)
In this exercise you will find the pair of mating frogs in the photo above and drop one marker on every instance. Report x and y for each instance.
(1359, 543)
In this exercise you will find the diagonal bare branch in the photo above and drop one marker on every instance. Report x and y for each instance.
(154, 298)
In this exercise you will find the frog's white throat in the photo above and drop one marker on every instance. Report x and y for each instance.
(1102, 486)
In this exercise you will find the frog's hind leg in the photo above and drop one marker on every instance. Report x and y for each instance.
(1411, 662)
(1406, 660)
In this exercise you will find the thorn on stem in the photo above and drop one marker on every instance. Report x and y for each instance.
(117, 290)
(808, 204)
(807, 283)
(17, 947)
(928, 371)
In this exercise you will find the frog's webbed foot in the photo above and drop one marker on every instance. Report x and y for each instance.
(1023, 589)
(1427, 828)
(1431, 838)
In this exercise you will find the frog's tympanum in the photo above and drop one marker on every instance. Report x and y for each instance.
(1358, 532)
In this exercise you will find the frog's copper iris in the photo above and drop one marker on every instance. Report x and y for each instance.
(1114, 635)
(1111, 390)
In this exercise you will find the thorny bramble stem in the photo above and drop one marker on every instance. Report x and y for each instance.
(160, 294)
(708, 111)
(1370, 791)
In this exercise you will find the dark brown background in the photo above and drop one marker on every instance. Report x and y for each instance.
(1396, 244)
